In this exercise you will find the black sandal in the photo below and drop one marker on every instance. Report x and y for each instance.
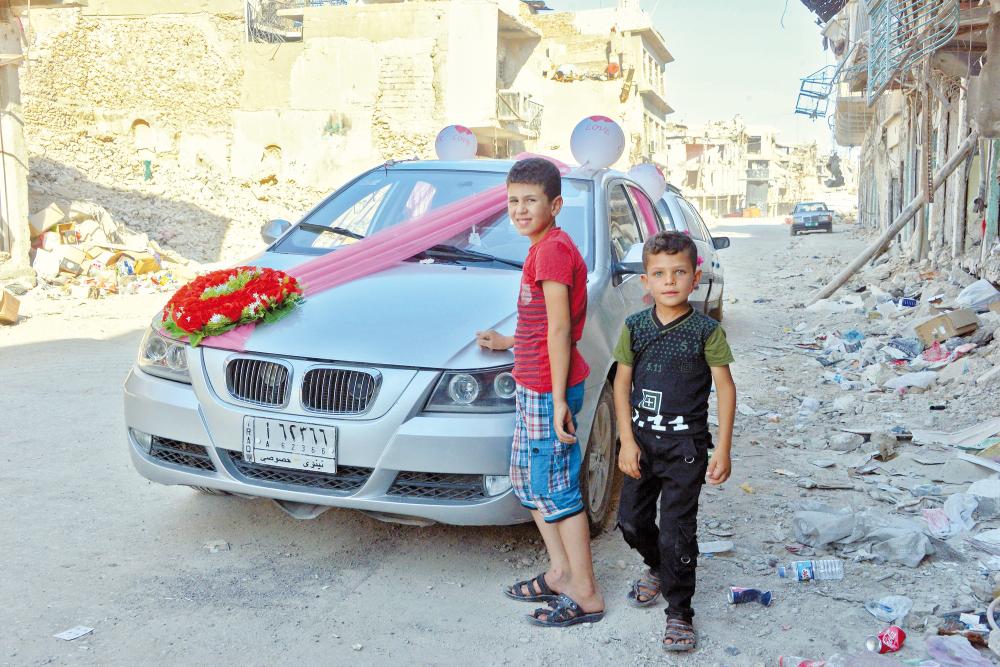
(544, 594)
(645, 590)
(563, 612)
(681, 636)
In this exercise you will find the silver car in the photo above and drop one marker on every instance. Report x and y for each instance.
(374, 395)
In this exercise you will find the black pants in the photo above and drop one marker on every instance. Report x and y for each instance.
(673, 470)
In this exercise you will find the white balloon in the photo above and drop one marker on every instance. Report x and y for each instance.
(455, 142)
(597, 142)
(649, 177)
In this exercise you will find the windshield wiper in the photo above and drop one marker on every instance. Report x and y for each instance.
(455, 252)
(309, 227)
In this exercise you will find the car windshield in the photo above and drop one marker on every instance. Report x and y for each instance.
(383, 198)
(810, 207)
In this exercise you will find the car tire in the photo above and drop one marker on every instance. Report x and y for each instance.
(792, 230)
(600, 477)
(211, 492)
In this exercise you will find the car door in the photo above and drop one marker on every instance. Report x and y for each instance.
(624, 231)
(706, 247)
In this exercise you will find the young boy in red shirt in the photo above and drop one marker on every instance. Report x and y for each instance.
(549, 371)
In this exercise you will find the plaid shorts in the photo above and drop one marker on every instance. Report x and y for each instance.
(545, 473)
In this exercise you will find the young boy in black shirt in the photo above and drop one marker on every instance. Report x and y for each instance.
(668, 357)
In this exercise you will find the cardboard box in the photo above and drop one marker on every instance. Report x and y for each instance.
(8, 307)
(67, 233)
(46, 219)
(71, 258)
(947, 325)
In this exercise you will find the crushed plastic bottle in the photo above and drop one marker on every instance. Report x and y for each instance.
(890, 608)
(829, 569)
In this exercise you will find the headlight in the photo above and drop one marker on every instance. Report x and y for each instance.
(474, 391)
(164, 357)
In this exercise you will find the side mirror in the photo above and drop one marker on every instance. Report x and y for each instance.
(632, 263)
(273, 230)
(720, 242)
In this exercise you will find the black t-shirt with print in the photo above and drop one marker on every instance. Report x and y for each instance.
(672, 380)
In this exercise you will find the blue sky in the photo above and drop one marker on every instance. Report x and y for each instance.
(734, 57)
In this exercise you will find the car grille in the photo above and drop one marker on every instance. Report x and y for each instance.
(438, 486)
(339, 391)
(259, 382)
(347, 478)
(181, 453)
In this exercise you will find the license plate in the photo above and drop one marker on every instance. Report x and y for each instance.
(811, 224)
(285, 444)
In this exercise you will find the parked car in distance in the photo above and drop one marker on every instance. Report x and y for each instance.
(414, 419)
(681, 215)
(811, 216)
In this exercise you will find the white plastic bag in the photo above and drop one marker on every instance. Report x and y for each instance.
(978, 296)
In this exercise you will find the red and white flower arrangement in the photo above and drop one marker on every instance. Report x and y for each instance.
(216, 302)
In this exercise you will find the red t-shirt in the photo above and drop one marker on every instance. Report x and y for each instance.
(555, 258)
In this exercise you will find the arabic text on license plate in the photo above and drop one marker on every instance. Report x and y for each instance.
(276, 442)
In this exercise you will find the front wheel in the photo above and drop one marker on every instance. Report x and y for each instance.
(600, 477)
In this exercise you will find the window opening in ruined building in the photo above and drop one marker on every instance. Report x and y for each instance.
(753, 145)
(691, 180)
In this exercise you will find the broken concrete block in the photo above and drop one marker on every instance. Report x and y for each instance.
(845, 442)
(844, 403)
(987, 492)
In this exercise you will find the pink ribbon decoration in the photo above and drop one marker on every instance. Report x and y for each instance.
(386, 249)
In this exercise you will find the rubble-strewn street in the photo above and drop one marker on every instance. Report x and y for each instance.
(170, 576)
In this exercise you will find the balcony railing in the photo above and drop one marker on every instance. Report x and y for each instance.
(276, 21)
(519, 108)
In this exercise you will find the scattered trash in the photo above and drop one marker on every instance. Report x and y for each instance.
(9, 307)
(739, 595)
(216, 546)
(955, 651)
(893, 539)
(356, 647)
(74, 633)
(813, 570)
(718, 547)
(923, 380)
(746, 487)
(890, 609)
(946, 325)
(889, 640)
(954, 518)
(974, 437)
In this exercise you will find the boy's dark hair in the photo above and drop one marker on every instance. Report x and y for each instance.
(670, 243)
(537, 171)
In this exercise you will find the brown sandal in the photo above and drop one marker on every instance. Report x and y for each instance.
(645, 590)
(681, 636)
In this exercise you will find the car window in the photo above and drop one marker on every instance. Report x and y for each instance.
(695, 227)
(623, 226)
(809, 207)
(383, 198)
(701, 222)
(647, 214)
(666, 215)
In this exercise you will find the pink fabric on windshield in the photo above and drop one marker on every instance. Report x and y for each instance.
(386, 249)
(645, 209)
(381, 251)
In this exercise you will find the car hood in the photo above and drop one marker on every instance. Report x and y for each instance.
(414, 315)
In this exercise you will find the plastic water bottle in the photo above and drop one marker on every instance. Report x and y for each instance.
(813, 570)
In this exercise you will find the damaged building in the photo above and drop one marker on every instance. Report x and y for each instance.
(914, 88)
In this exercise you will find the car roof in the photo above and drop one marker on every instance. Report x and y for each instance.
(490, 165)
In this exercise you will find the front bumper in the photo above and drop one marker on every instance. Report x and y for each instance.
(799, 227)
(403, 464)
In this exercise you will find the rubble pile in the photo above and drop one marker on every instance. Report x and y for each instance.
(885, 418)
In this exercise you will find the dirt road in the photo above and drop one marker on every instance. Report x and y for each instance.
(87, 541)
